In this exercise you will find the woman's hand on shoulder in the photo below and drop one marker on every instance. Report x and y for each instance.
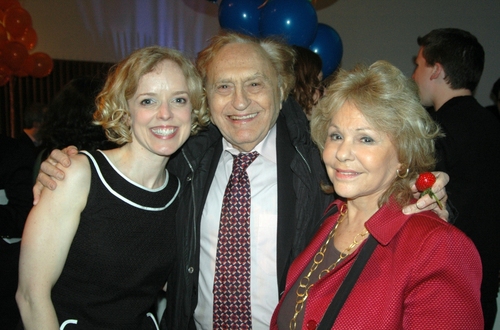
(426, 202)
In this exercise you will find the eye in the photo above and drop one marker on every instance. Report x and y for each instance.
(181, 100)
(367, 139)
(335, 136)
(254, 86)
(147, 101)
(223, 89)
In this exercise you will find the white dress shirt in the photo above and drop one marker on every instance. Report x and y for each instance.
(263, 178)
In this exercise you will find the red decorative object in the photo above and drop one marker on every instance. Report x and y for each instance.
(16, 21)
(17, 38)
(39, 65)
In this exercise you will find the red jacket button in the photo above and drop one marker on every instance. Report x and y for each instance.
(311, 325)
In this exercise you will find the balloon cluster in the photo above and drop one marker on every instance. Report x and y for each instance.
(17, 38)
(294, 20)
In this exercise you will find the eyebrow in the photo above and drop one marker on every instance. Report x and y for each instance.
(153, 93)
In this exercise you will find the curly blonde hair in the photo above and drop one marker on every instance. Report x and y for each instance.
(280, 55)
(123, 80)
(389, 102)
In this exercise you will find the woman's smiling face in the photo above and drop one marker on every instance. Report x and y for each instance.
(360, 160)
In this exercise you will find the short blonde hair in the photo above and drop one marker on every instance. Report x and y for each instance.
(389, 102)
(280, 56)
(122, 83)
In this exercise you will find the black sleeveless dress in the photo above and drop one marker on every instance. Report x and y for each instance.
(121, 255)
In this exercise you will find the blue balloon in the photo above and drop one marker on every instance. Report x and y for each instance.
(294, 20)
(240, 16)
(328, 45)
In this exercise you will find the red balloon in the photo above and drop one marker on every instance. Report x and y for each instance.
(5, 73)
(14, 54)
(6, 4)
(28, 39)
(16, 21)
(39, 65)
(3, 37)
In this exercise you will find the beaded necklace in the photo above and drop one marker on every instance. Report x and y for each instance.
(304, 286)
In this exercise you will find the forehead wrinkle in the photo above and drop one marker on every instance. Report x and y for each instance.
(236, 77)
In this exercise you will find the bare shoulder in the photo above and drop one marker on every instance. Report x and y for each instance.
(78, 173)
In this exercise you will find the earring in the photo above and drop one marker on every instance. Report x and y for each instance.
(403, 176)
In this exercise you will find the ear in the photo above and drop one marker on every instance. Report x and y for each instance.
(127, 120)
(282, 97)
(437, 70)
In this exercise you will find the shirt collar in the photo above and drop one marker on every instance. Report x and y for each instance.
(266, 147)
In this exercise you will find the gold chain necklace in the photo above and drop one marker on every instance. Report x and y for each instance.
(304, 286)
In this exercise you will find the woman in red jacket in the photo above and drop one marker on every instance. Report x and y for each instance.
(423, 273)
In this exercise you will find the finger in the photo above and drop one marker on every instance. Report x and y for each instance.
(443, 214)
(58, 156)
(36, 192)
(47, 169)
(424, 203)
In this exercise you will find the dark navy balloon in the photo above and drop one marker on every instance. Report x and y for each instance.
(294, 20)
(240, 16)
(328, 45)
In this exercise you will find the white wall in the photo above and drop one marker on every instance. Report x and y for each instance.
(106, 30)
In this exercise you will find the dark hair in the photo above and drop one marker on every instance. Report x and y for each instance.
(495, 90)
(68, 120)
(33, 114)
(307, 67)
(460, 54)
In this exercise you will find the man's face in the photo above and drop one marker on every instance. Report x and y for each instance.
(422, 77)
(243, 94)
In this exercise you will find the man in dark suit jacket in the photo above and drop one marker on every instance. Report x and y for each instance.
(247, 82)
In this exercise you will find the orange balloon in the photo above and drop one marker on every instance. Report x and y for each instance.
(28, 39)
(5, 73)
(16, 21)
(14, 54)
(39, 65)
(6, 4)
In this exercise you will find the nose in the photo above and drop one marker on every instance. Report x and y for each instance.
(344, 151)
(164, 112)
(240, 99)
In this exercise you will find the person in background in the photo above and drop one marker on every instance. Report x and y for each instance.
(308, 79)
(448, 68)
(247, 83)
(102, 244)
(68, 120)
(423, 273)
(32, 122)
(16, 200)
(495, 97)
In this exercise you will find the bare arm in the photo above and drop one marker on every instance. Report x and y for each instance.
(47, 237)
(426, 202)
(49, 173)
